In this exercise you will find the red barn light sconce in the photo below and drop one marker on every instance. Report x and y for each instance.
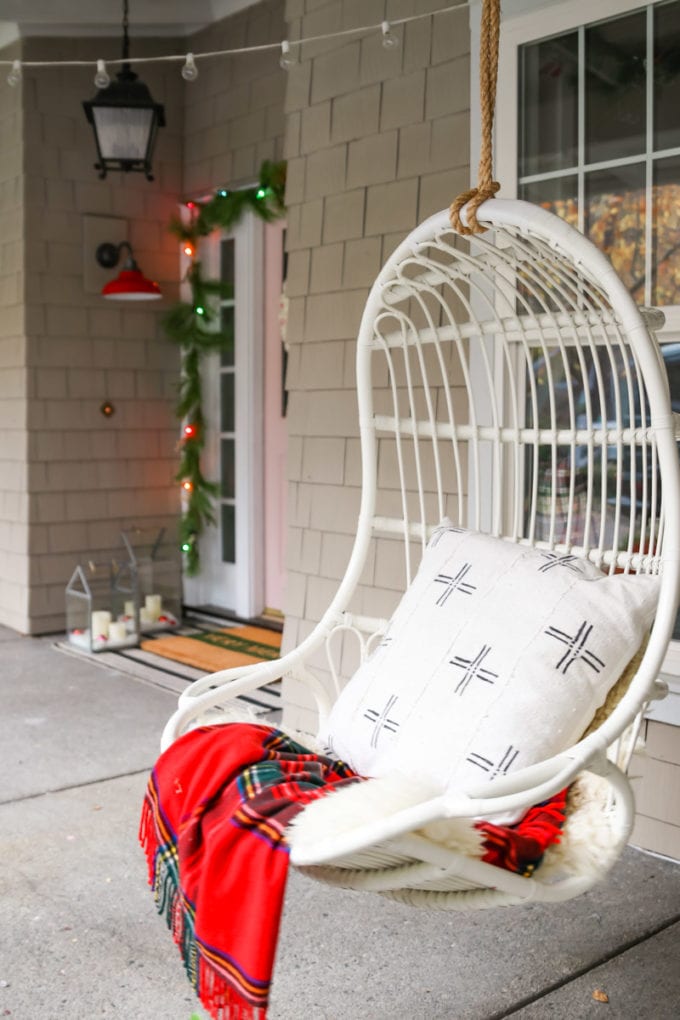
(130, 284)
(124, 117)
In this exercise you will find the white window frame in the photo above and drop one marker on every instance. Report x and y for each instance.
(525, 21)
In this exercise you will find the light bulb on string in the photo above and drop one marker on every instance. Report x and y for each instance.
(188, 485)
(189, 70)
(260, 193)
(189, 249)
(199, 309)
(389, 39)
(186, 546)
(101, 78)
(189, 431)
(14, 76)
(287, 60)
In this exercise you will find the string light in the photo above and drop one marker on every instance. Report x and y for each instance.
(190, 71)
(260, 193)
(287, 59)
(223, 193)
(188, 485)
(389, 39)
(189, 249)
(189, 431)
(199, 309)
(186, 546)
(14, 76)
(101, 78)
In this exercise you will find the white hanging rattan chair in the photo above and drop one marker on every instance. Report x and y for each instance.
(509, 382)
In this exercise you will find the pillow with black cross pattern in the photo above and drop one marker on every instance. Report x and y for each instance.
(497, 657)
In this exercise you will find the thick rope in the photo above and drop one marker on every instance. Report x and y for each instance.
(488, 75)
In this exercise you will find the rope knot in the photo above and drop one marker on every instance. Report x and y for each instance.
(473, 199)
(488, 74)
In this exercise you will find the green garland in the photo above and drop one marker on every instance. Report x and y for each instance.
(192, 325)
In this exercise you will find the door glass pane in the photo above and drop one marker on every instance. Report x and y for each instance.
(559, 196)
(666, 76)
(228, 533)
(615, 220)
(227, 263)
(615, 83)
(227, 327)
(227, 402)
(549, 105)
(666, 227)
(228, 458)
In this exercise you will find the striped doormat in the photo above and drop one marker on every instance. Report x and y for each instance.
(213, 650)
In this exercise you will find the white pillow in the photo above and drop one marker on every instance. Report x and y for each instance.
(497, 657)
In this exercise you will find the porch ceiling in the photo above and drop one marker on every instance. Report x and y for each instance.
(21, 18)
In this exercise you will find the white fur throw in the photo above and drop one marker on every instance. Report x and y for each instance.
(588, 844)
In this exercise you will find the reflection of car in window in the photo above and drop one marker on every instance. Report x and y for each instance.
(671, 357)
(598, 396)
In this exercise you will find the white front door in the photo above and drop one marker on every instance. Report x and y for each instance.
(245, 434)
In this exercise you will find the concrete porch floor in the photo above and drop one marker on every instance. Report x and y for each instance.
(80, 937)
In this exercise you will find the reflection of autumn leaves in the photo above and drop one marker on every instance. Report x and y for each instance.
(666, 205)
(565, 208)
(616, 224)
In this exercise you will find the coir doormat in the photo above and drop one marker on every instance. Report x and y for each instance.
(213, 650)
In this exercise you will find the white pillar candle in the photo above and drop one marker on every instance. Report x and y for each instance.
(153, 605)
(129, 608)
(117, 631)
(146, 617)
(101, 620)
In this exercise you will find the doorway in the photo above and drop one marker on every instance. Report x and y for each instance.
(242, 556)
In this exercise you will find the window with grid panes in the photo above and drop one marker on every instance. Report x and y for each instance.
(599, 145)
(599, 140)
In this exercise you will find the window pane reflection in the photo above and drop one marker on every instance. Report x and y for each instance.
(559, 196)
(548, 105)
(666, 76)
(666, 227)
(615, 88)
(615, 221)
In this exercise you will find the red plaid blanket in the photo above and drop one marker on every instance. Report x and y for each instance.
(213, 827)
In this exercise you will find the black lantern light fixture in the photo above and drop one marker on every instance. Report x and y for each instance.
(124, 117)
